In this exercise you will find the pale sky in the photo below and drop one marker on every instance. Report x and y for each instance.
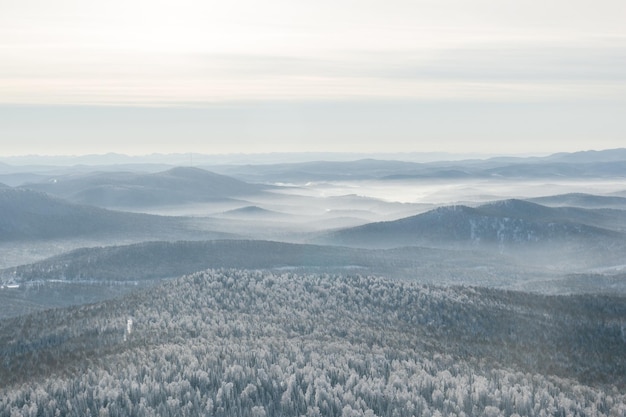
(139, 76)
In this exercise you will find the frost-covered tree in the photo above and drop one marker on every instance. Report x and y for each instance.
(251, 343)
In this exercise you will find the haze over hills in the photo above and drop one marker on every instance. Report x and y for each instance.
(110, 159)
(255, 212)
(512, 226)
(189, 159)
(410, 313)
(591, 156)
(127, 189)
(159, 260)
(27, 215)
(283, 274)
(601, 164)
(115, 270)
(582, 200)
(93, 274)
(17, 179)
(548, 169)
(302, 168)
(319, 170)
(610, 219)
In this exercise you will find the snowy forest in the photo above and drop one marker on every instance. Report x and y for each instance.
(331, 208)
(252, 343)
(478, 288)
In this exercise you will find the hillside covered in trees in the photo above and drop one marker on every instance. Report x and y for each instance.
(245, 343)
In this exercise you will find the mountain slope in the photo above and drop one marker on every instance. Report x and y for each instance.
(252, 343)
(93, 274)
(31, 215)
(610, 219)
(125, 189)
(159, 260)
(505, 223)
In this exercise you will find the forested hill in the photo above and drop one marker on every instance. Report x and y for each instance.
(508, 224)
(158, 260)
(258, 344)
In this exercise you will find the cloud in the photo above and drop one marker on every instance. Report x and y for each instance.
(516, 73)
(144, 53)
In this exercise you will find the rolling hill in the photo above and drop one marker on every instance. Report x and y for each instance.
(582, 200)
(551, 235)
(591, 164)
(29, 215)
(263, 344)
(128, 189)
(610, 219)
(92, 274)
(319, 170)
(254, 212)
(159, 260)
(591, 156)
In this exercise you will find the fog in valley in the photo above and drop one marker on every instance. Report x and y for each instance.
(343, 208)
(359, 287)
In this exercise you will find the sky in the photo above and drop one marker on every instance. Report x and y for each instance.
(245, 76)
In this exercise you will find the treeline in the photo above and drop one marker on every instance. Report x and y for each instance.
(243, 343)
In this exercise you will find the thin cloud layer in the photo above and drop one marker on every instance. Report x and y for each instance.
(139, 76)
(191, 52)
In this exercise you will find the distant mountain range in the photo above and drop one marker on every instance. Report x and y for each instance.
(195, 159)
(515, 307)
(582, 200)
(129, 189)
(319, 170)
(278, 157)
(306, 167)
(601, 164)
(605, 155)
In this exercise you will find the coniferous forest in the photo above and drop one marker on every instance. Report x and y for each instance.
(190, 293)
(252, 343)
(335, 208)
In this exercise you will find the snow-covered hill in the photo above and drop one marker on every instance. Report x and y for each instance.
(250, 343)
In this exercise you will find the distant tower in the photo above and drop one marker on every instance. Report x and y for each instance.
(129, 328)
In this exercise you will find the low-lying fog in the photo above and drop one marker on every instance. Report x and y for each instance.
(442, 192)
(317, 206)
(572, 257)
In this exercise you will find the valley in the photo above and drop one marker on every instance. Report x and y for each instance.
(478, 287)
